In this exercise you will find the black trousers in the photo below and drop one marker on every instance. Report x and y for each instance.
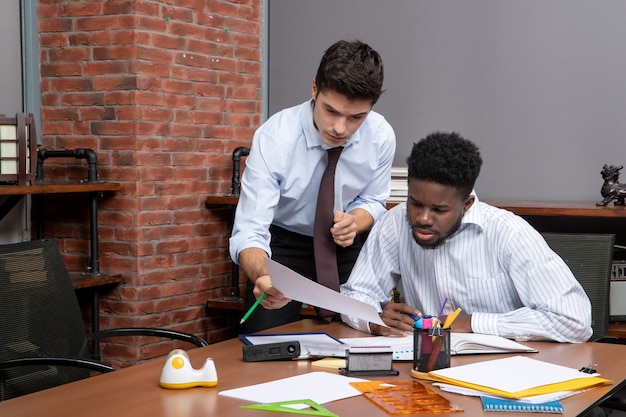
(295, 251)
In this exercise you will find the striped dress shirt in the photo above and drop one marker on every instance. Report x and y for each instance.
(496, 267)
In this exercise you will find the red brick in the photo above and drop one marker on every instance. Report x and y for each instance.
(88, 24)
(163, 102)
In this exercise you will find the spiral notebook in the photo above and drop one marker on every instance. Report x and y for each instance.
(502, 404)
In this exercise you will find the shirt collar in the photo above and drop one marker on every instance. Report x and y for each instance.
(473, 215)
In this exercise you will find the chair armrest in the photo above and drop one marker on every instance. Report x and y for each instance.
(610, 339)
(72, 362)
(146, 331)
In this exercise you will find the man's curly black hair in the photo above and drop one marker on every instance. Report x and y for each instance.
(446, 158)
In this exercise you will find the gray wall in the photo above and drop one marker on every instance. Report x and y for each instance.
(11, 59)
(15, 226)
(539, 85)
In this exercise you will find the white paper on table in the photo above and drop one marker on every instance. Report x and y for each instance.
(299, 288)
(534, 399)
(512, 374)
(321, 387)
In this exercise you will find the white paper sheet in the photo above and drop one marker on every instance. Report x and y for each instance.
(299, 288)
(534, 399)
(512, 374)
(321, 387)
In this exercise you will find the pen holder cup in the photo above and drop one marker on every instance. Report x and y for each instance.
(431, 349)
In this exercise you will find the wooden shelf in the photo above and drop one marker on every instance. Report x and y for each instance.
(59, 187)
(225, 304)
(224, 200)
(519, 207)
(554, 208)
(559, 208)
(80, 281)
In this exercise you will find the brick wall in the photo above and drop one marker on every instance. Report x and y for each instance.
(163, 91)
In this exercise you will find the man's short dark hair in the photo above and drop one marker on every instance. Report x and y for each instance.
(446, 158)
(353, 69)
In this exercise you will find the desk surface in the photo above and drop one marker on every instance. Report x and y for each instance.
(135, 390)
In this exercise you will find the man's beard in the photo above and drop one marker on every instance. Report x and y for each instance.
(439, 241)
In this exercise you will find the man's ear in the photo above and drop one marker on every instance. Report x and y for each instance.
(313, 89)
(468, 203)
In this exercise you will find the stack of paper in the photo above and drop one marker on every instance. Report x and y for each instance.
(517, 377)
(398, 185)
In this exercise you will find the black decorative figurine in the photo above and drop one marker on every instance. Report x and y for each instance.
(612, 189)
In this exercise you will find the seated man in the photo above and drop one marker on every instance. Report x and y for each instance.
(443, 243)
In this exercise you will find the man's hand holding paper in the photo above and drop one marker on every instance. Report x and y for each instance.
(297, 287)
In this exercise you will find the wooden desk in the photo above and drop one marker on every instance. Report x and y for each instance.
(135, 390)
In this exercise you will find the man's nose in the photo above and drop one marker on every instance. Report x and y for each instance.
(340, 126)
(424, 217)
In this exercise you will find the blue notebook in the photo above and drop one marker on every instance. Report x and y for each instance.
(502, 404)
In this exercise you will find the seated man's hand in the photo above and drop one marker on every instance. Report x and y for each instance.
(462, 324)
(273, 298)
(398, 317)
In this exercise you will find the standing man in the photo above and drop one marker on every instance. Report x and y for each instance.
(445, 244)
(278, 211)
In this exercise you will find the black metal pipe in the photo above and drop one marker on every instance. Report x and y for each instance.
(236, 181)
(88, 155)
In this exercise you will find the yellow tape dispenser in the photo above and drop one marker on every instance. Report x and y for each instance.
(179, 374)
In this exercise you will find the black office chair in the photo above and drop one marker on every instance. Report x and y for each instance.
(43, 340)
(589, 257)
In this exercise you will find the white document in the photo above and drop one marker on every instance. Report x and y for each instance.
(321, 387)
(534, 399)
(299, 288)
(512, 374)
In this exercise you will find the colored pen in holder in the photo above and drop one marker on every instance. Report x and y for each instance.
(431, 349)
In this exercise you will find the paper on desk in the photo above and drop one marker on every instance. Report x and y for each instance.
(321, 387)
(534, 399)
(299, 288)
(517, 377)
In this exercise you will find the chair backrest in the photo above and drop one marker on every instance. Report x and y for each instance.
(589, 257)
(40, 316)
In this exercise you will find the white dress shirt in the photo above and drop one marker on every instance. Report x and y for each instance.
(496, 267)
(281, 179)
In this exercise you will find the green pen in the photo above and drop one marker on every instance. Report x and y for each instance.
(251, 309)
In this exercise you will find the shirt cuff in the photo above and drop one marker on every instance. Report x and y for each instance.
(485, 323)
(358, 324)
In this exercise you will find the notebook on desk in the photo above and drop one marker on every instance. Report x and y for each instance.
(460, 344)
